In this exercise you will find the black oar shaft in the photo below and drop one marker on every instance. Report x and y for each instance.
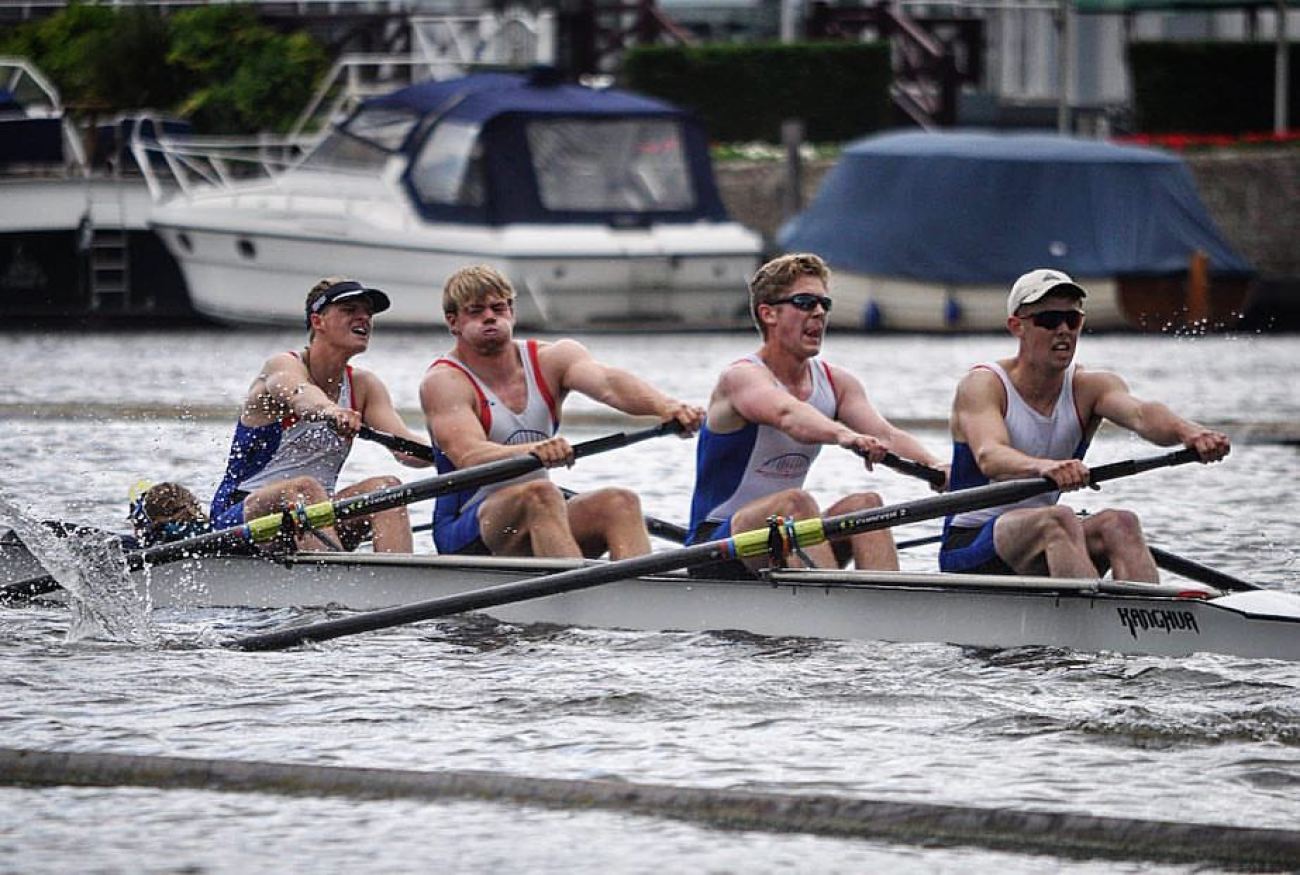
(1193, 570)
(487, 597)
(933, 476)
(395, 442)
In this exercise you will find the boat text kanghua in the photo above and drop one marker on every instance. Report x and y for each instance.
(927, 231)
(1173, 618)
(600, 205)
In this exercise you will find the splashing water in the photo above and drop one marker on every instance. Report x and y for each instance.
(89, 565)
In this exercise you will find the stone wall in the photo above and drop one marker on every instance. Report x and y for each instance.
(1252, 194)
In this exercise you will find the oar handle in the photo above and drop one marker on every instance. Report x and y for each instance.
(623, 439)
(933, 476)
(1137, 466)
(394, 442)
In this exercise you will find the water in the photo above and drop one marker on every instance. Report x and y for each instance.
(1208, 738)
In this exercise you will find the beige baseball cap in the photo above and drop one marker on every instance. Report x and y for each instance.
(1038, 284)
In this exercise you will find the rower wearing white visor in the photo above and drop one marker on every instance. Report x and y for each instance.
(298, 420)
(1034, 414)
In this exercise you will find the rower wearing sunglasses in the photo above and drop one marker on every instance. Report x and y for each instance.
(768, 418)
(1034, 414)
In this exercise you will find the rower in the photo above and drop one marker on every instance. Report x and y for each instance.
(298, 420)
(493, 397)
(769, 416)
(1034, 414)
(164, 512)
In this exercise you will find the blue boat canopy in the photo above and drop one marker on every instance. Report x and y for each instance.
(503, 148)
(983, 208)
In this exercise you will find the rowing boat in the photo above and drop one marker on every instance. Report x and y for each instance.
(1171, 619)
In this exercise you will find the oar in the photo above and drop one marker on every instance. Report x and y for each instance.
(327, 513)
(394, 442)
(1193, 570)
(802, 533)
(933, 476)
(654, 525)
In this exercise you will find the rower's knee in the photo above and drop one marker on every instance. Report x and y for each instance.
(305, 489)
(797, 503)
(861, 501)
(538, 498)
(618, 503)
(370, 484)
(1119, 526)
(1058, 523)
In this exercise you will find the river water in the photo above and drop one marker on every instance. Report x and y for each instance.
(1208, 739)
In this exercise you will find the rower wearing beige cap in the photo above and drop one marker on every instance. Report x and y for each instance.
(1034, 414)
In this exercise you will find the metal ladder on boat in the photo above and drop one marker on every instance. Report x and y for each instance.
(109, 256)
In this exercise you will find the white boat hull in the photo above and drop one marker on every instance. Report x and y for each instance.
(895, 304)
(999, 612)
(250, 255)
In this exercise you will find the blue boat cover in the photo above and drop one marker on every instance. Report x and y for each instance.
(983, 208)
(481, 96)
(502, 104)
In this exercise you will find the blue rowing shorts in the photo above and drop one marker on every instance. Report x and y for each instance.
(971, 551)
(460, 534)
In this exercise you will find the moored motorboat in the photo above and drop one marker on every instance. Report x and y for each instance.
(74, 234)
(974, 610)
(599, 205)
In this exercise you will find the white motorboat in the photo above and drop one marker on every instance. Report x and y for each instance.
(600, 205)
(1174, 618)
(74, 234)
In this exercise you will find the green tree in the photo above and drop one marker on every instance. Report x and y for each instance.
(249, 77)
(217, 65)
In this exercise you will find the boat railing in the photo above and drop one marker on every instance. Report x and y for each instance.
(42, 105)
(442, 47)
(190, 164)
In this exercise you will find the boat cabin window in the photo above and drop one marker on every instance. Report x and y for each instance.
(618, 165)
(366, 142)
(449, 169)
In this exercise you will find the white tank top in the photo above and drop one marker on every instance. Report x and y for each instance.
(538, 420)
(308, 448)
(1055, 436)
(759, 460)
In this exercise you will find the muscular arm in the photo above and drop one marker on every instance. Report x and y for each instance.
(857, 412)
(378, 412)
(284, 387)
(575, 370)
(750, 392)
(1111, 399)
(977, 420)
(451, 413)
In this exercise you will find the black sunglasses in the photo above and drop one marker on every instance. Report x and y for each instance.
(1052, 319)
(805, 301)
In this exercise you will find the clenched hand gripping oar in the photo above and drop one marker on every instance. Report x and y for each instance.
(326, 513)
(801, 533)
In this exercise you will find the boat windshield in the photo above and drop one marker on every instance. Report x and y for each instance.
(449, 169)
(366, 142)
(624, 165)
